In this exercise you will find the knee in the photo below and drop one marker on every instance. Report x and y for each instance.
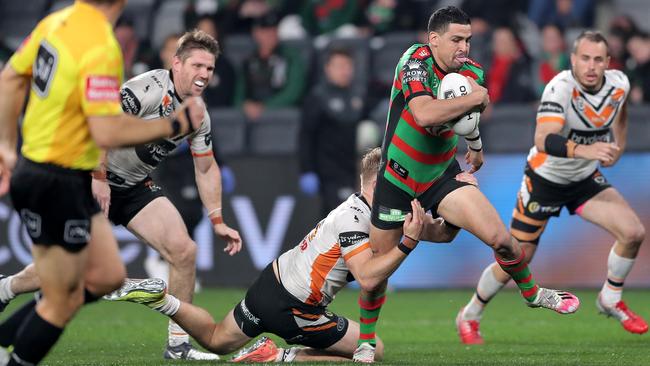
(500, 241)
(183, 253)
(100, 283)
(634, 235)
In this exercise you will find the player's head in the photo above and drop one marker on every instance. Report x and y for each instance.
(449, 35)
(370, 163)
(339, 67)
(590, 59)
(193, 62)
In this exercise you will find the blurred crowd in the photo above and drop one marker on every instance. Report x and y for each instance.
(324, 58)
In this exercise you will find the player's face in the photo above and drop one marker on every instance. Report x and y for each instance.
(194, 73)
(451, 48)
(589, 62)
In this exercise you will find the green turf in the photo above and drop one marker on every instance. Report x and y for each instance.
(417, 327)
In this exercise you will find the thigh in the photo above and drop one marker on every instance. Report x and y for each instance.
(469, 209)
(105, 267)
(160, 225)
(536, 204)
(126, 203)
(609, 210)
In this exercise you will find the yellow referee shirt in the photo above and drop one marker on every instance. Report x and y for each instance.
(75, 65)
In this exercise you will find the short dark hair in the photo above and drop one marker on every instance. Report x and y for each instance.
(196, 40)
(591, 36)
(338, 51)
(441, 18)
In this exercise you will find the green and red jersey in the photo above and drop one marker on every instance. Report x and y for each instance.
(414, 157)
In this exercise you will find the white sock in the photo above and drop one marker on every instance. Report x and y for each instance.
(170, 305)
(617, 270)
(487, 287)
(176, 334)
(6, 294)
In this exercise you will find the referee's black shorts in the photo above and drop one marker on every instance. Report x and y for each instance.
(56, 204)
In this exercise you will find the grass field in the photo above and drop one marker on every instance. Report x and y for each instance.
(417, 327)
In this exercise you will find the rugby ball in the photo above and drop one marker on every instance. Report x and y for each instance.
(455, 85)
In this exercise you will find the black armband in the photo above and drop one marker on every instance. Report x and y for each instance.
(406, 250)
(560, 146)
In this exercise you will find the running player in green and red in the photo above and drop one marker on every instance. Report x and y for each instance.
(418, 161)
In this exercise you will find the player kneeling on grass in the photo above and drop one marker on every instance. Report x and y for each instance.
(301, 282)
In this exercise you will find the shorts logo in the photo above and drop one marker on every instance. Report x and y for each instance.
(32, 222)
(340, 324)
(391, 214)
(600, 180)
(248, 314)
(76, 231)
(153, 187)
(535, 207)
(102, 88)
(398, 169)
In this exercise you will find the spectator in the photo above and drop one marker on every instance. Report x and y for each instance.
(617, 49)
(273, 77)
(331, 115)
(166, 52)
(639, 71)
(129, 43)
(219, 93)
(383, 16)
(508, 79)
(554, 57)
(566, 13)
(325, 16)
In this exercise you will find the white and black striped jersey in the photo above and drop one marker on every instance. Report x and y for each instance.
(586, 117)
(150, 96)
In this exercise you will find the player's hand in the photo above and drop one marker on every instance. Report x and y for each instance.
(467, 178)
(475, 159)
(230, 236)
(480, 93)
(7, 164)
(414, 221)
(617, 155)
(605, 152)
(195, 108)
(102, 193)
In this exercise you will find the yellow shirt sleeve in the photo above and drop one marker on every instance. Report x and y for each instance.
(23, 59)
(100, 77)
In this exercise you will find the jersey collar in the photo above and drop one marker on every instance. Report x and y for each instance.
(171, 78)
(362, 198)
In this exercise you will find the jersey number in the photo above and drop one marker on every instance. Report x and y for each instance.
(44, 68)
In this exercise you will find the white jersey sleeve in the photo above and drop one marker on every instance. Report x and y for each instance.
(141, 96)
(352, 228)
(201, 140)
(555, 100)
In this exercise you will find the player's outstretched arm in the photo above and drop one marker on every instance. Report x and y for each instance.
(208, 182)
(370, 270)
(13, 88)
(127, 130)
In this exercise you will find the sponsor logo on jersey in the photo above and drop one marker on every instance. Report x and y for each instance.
(130, 103)
(550, 107)
(352, 238)
(44, 68)
(414, 70)
(167, 105)
(101, 88)
(154, 153)
(590, 136)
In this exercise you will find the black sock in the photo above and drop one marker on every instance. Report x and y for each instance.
(89, 297)
(9, 327)
(34, 340)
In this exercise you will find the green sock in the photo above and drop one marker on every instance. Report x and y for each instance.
(369, 314)
(520, 273)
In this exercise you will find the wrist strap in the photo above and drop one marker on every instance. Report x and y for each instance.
(406, 250)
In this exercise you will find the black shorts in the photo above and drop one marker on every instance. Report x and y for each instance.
(269, 307)
(390, 203)
(539, 199)
(56, 204)
(127, 202)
